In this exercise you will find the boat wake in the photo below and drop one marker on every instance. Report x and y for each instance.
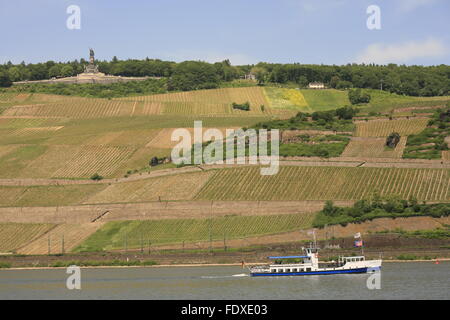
(231, 276)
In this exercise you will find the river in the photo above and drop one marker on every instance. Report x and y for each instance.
(412, 280)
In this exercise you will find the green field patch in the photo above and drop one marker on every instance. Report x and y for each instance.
(12, 163)
(327, 99)
(282, 98)
(134, 234)
(383, 101)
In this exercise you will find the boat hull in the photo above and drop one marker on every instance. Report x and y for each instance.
(308, 273)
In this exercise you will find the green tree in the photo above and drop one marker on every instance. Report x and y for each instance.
(67, 71)
(5, 81)
(14, 74)
(54, 71)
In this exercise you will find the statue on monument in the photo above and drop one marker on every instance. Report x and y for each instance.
(91, 67)
(91, 56)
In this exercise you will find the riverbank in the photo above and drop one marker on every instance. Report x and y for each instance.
(390, 247)
(439, 260)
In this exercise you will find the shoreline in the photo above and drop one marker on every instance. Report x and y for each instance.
(197, 265)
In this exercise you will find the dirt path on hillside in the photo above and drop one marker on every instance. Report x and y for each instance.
(289, 161)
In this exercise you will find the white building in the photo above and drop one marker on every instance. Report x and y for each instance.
(316, 85)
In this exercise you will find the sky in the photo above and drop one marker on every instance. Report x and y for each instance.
(243, 31)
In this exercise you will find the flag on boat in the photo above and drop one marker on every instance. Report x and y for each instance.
(357, 235)
(358, 243)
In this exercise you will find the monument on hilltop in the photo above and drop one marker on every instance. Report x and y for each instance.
(89, 75)
(91, 67)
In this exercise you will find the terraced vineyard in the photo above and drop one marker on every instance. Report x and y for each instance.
(73, 108)
(313, 183)
(16, 235)
(163, 138)
(89, 160)
(176, 187)
(446, 155)
(13, 97)
(373, 148)
(382, 128)
(61, 239)
(206, 102)
(39, 161)
(134, 234)
(17, 196)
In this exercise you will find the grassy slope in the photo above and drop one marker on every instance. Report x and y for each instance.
(320, 100)
(115, 234)
(382, 101)
(306, 100)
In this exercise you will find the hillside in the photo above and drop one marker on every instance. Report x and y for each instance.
(51, 145)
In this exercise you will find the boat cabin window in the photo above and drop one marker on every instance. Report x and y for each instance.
(294, 270)
(273, 270)
(288, 270)
(308, 269)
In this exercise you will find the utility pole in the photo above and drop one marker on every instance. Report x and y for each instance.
(210, 222)
(381, 85)
(224, 241)
(210, 239)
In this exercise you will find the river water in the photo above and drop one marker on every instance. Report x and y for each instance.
(412, 280)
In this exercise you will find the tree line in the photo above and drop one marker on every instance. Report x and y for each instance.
(192, 75)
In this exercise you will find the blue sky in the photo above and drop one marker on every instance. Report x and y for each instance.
(245, 31)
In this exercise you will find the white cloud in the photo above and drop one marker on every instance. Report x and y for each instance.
(380, 53)
(410, 5)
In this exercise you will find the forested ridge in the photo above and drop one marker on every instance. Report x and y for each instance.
(193, 75)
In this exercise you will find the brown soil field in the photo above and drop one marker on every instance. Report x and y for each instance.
(16, 235)
(77, 214)
(63, 238)
(140, 159)
(179, 187)
(163, 138)
(382, 128)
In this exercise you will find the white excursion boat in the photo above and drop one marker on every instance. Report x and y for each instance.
(310, 265)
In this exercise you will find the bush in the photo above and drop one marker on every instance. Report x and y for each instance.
(356, 96)
(392, 140)
(364, 210)
(96, 177)
(244, 106)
